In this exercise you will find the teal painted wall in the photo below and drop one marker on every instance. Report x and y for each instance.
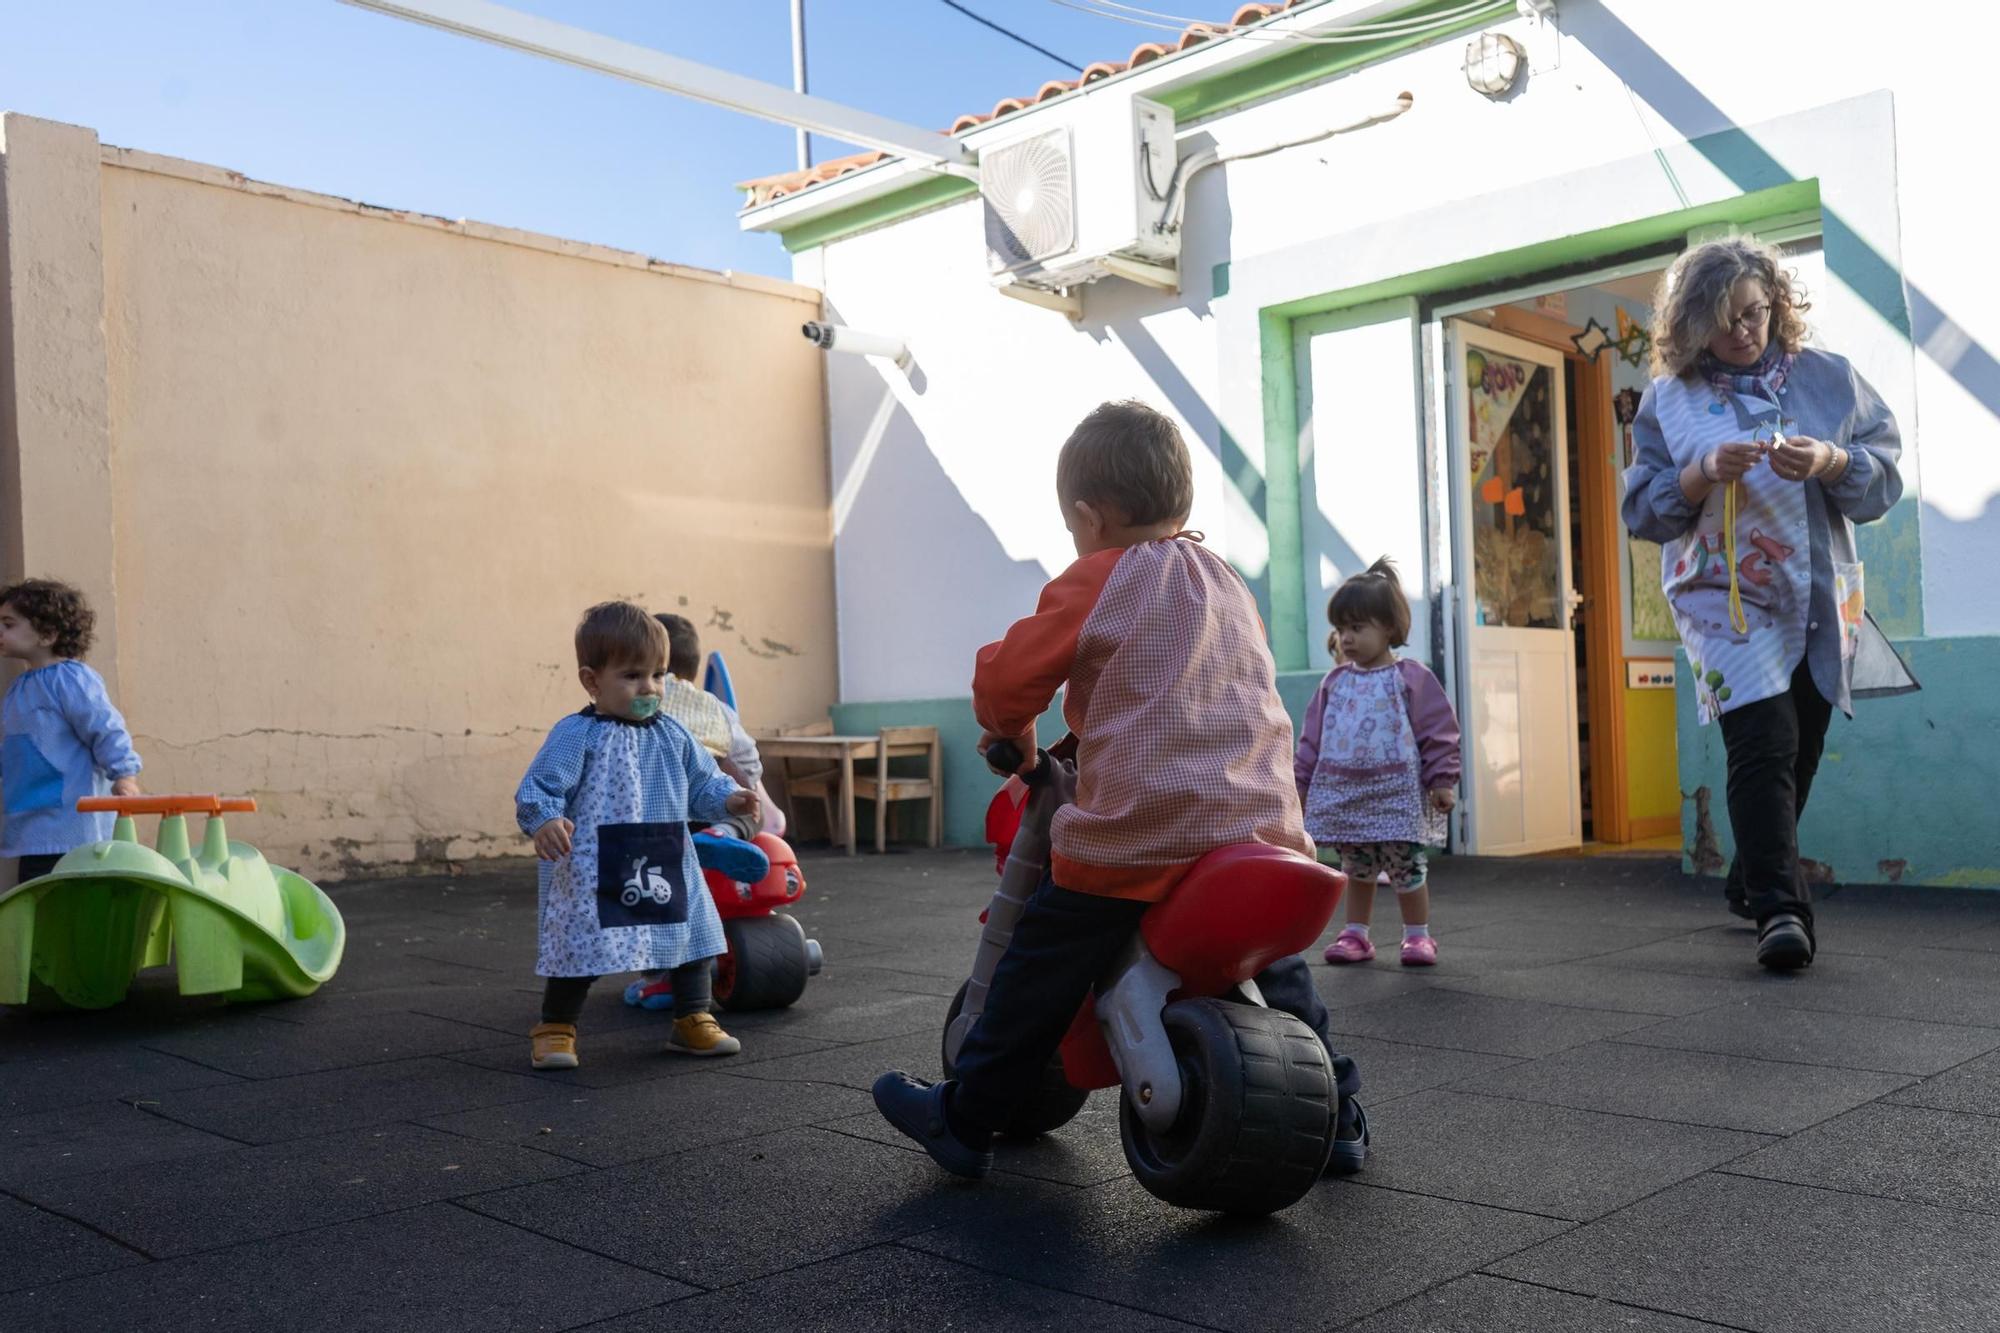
(1908, 780)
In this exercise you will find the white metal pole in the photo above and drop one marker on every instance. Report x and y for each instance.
(656, 69)
(799, 77)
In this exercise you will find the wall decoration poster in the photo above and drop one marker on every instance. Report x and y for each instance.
(1514, 521)
(1651, 619)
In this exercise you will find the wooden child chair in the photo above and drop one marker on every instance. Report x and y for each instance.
(814, 782)
(884, 788)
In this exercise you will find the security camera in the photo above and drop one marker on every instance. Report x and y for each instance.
(839, 338)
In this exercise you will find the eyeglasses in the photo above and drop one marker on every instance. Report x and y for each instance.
(1756, 317)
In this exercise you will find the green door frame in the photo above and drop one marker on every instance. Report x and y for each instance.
(1278, 353)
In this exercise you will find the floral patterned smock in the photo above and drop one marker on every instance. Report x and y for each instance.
(1796, 570)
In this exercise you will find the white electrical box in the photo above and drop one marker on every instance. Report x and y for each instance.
(1649, 673)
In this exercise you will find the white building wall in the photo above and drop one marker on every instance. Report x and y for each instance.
(947, 519)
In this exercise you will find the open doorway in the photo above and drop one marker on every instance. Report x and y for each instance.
(1617, 661)
(1548, 621)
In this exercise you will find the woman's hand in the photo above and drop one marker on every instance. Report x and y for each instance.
(1728, 462)
(552, 839)
(744, 802)
(1443, 798)
(125, 787)
(1718, 467)
(1800, 456)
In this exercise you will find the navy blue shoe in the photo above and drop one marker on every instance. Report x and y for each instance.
(917, 1108)
(1784, 942)
(742, 861)
(1350, 1141)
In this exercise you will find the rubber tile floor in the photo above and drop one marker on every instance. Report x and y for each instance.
(1595, 1113)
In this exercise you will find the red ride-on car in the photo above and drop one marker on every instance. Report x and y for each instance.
(769, 955)
(1226, 1104)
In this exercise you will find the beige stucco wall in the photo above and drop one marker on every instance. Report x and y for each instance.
(365, 470)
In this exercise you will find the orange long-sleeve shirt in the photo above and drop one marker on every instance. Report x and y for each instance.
(1183, 746)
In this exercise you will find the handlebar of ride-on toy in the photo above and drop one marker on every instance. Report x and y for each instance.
(1004, 758)
(167, 805)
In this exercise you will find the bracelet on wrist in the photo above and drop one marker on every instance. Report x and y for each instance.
(1701, 466)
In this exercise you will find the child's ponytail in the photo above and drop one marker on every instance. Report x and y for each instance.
(1384, 568)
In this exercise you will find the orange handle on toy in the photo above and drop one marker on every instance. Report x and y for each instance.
(165, 805)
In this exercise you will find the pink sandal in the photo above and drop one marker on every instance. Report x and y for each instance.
(1420, 952)
(1351, 946)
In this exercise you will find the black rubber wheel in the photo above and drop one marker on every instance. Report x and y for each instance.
(766, 966)
(1257, 1113)
(1054, 1104)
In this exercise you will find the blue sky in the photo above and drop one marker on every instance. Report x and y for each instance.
(326, 97)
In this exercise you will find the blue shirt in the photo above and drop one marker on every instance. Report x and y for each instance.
(60, 741)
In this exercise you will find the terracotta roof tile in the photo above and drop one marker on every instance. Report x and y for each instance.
(765, 189)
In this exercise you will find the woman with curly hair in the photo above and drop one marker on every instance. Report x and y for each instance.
(60, 738)
(1756, 456)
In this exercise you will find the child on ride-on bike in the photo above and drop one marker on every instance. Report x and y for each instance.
(1182, 747)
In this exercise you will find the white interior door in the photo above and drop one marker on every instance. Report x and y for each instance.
(1510, 467)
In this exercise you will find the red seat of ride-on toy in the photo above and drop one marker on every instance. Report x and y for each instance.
(1239, 910)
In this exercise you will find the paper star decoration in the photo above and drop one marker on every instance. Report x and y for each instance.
(1633, 342)
(1593, 340)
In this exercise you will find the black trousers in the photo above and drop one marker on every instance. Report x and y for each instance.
(1061, 946)
(1774, 747)
(33, 867)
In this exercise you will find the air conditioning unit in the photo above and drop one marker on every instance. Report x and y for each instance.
(1082, 199)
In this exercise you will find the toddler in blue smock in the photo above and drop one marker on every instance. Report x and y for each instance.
(607, 801)
(60, 738)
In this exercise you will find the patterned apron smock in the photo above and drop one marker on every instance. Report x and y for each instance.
(1367, 784)
(629, 897)
(1733, 666)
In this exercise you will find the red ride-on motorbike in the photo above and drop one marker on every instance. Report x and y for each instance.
(769, 955)
(1225, 1104)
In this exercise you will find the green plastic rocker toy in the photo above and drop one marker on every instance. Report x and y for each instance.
(232, 923)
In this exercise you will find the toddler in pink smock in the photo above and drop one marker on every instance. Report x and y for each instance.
(1378, 764)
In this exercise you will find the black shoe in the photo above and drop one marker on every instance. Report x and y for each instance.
(917, 1108)
(1783, 943)
(1350, 1140)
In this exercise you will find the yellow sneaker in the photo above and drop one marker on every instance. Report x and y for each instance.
(554, 1046)
(700, 1034)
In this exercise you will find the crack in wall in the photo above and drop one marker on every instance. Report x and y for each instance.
(165, 744)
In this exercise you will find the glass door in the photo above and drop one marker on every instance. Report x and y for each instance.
(1517, 681)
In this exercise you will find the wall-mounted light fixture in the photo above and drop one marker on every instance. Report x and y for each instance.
(1494, 63)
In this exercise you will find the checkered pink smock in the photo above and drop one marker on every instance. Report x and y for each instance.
(1183, 744)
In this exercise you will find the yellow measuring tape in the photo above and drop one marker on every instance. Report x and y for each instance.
(1730, 503)
(1737, 620)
